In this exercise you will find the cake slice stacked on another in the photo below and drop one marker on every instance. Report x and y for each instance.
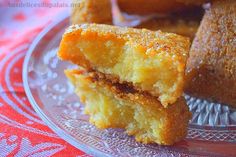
(150, 61)
(131, 79)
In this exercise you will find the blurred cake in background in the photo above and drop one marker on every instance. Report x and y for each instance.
(211, 68)
(91, 11)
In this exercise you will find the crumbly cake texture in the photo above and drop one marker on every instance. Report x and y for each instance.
(211, 68)
(152, 61)
(116, 106)
(91, 11)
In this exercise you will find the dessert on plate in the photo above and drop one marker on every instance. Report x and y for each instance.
(130, 78)
(151, 61)
(133, 78)
(211, 67)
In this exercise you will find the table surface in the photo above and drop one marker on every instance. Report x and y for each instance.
(22, 132)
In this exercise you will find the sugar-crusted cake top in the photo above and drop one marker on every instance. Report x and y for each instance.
(153, 41)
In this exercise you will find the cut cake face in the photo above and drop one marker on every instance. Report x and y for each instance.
(151, 61)
(141, 115)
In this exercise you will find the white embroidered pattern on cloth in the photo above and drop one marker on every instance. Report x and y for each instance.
(24, 147)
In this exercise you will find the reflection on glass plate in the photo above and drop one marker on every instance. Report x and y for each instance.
(212, 130)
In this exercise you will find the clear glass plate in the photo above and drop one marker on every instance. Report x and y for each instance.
(212, 130)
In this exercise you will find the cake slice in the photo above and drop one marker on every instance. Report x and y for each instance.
(121, 106)
(91, 11)
(153, 62)
(211, 67)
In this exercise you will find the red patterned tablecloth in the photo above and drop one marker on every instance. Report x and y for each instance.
(22, 132)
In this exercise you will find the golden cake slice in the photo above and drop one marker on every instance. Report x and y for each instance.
(151, 61)
(91, 11)
(120, 106)
(211, 68)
